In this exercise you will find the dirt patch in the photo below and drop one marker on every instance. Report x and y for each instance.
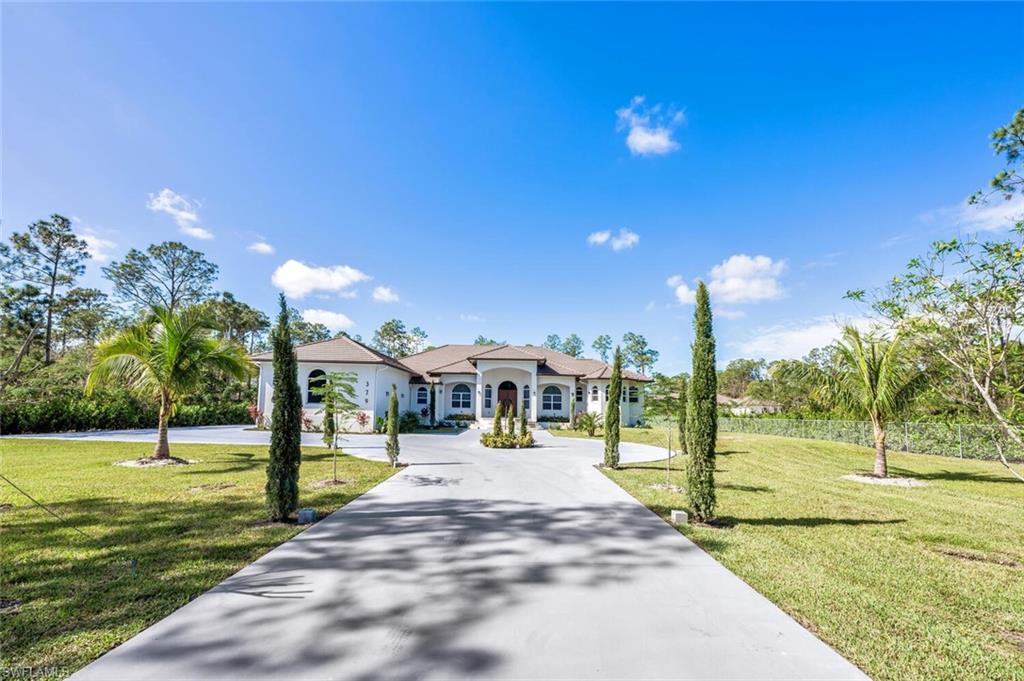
(665, 487)
(891, 482)
(1016, 638)
(150, 462)
(9, 606)
(974, 556)
(320, 484)
(212, 487)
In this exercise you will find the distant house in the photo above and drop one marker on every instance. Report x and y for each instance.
(747, 406)
(466, 380)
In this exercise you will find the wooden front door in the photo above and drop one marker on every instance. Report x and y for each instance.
(507, 397)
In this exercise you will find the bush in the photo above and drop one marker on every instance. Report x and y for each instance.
(408, 422)
(589, 422)
(460, 417)
(553, 419)
(507, 440)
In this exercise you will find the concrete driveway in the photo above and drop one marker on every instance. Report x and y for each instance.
(476, 563)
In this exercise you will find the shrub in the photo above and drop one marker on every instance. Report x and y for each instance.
(362, 419)
(380, 425)
(499, 412)
(408, 422)
(507, 440)
(460, 417)
(553, 419)
(588, 421)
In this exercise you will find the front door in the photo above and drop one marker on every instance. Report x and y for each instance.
(507, 397)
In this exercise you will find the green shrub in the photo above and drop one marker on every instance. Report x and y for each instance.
(460, 417)
(553, 419)
(507, 440)
(588, 421)
(408, 422)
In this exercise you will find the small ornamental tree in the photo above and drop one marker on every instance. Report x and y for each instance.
(701, 414)
(682, 415)
(499, 411)
(391, 444)
(339, 406)
(510, 421)
(522, 421)
(285, 424)
(612, 413)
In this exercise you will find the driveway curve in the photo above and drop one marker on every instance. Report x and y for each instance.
(478, 563)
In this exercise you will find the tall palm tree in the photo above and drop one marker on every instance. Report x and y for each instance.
(870, 378)
(166, 356)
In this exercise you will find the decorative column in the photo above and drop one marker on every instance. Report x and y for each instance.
(479, 404)
(534, 397)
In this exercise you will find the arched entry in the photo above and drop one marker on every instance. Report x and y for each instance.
(507, 396)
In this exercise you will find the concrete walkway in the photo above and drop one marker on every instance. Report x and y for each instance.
(476, 563)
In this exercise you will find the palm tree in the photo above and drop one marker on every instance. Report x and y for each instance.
(870, 378)
(167, 356)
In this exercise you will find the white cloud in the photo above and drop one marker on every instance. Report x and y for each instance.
(994, 215)
(650, 128)
(684, 294)
(335, 321)
(795, 340)
(383, 294)
(470, 317)
(98, 247)
(729, 313)
(261, 247)
(184, 211)
(297, 279)
(745, 279)
(625, 239)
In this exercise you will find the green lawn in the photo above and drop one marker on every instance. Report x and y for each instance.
(908, 583)
(189, 527)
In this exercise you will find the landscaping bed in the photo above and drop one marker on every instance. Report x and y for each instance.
(186, 528)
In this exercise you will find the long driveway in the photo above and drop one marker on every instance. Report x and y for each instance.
(488, 564)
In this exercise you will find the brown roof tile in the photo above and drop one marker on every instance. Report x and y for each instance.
(340, 350)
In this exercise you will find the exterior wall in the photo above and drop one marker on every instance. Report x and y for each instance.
(494, 377)
(566, 387)
(632, 412)
(448, 382)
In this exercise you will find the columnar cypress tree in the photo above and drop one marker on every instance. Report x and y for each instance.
(499, 411)
(391, 444)
(701, 414)
(683, 397)
(510, 422)
(285, 424)
(522, 420)
(611, 415)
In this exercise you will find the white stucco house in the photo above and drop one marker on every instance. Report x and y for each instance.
(467, 380)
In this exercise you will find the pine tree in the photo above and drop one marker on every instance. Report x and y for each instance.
(499, 411)
(522, 420)
(701, 414)
(391, 444)
(612, 417)
(285, 424)
(683, 397)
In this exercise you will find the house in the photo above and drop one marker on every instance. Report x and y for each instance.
(466, 381)
(747, 406)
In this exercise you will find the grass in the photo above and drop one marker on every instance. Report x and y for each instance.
(919, 583)
(189, 527)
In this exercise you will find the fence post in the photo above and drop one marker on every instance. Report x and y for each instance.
(960, 436)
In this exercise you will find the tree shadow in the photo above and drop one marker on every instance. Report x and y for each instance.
(810, 521)
(744, 488)
(952, 476)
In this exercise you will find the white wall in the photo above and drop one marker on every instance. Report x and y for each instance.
(496, 376)
(449, 381)
(632, 412)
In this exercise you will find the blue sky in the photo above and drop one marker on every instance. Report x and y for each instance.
(459, 156)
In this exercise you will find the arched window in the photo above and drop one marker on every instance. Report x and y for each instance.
(487, 396)
(317, 379)
(551, 399)
(526, 398)
(593, 393)
(422, 396)
(634, 394)
(461, 396)
(579, 393)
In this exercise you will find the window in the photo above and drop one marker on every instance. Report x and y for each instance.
(551, 399)
(634, 394)
(593, 393)
(317, 379)
(526, 398)
(487, 396)
(606, 389)
(461, 396)
(422, 396)
(579, 393)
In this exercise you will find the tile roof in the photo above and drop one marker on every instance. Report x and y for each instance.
(452, 359)
(338, 350)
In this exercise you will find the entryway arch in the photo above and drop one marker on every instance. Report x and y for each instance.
(507, 396)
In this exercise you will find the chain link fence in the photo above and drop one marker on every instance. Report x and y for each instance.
(966, 441)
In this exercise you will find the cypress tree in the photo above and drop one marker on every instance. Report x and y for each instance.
(285, 424)
(683, 397)
(499, 411)
(522, 420)
(510, 422)
(391, 444)
(611, 416)
(701, 412)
